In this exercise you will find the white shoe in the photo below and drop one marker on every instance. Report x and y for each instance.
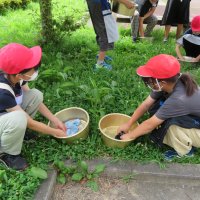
(165, 39)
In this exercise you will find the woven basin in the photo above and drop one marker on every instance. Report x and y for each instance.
(74, 113)
(112, 122)
(121, 9)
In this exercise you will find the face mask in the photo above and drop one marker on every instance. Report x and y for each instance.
(20, 82)
(33, 77)
(156, 90)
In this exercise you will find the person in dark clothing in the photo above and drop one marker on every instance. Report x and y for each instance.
(176, 14)
(144, 14)
(180, 97)
(190, 41)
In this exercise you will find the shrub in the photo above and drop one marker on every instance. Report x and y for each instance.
(6, 4)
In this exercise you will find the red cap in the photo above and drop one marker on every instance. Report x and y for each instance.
(14, 58)
(161, 67)
(195, 24)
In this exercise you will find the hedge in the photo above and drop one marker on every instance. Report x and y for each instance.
(6, 4)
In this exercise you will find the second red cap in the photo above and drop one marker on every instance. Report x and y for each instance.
(162, 66)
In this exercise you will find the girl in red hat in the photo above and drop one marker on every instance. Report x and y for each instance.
(19, 103)
(190, 41)
(173, 105)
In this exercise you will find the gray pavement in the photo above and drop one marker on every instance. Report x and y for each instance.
(149, 182)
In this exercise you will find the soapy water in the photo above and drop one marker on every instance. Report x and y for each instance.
(74, 126)
(111, 131)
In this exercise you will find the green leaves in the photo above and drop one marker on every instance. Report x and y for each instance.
(93, 185)
(3, 176)
(61, 178)
(99, 168)
(38, 173)
(84, 166)
(77, 177)
(78, 173)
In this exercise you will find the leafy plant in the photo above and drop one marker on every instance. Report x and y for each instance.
(78, 173)
(3, 176)
(38, 173)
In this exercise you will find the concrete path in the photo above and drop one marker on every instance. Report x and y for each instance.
(148, 182)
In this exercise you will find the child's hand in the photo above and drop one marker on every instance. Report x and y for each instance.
(123, 128)
(126, 136)
(59, 124)
(59, 134)
(195, 59)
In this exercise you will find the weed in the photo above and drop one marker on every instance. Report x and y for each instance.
(79, 173)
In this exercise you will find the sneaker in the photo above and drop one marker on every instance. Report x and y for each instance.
(103, 65)
(165, 39)
(30, 136)
(13, 161)
(171, 154)
(106, 59)
(134, 39)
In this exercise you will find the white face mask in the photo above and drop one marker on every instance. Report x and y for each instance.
(20, 82)
(31, 78)
(159, 87)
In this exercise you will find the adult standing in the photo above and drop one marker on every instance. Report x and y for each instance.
(177, 13)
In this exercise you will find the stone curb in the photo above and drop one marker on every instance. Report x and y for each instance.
(171, 173)
(46, 189)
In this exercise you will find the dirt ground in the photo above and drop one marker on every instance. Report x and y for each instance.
(78, 191)
(118, 189)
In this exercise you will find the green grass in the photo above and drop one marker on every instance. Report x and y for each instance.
(71, 62)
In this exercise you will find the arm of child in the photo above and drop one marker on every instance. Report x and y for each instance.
(197, 59)
(144, 128)
(47, 113)
(39, 126)
(178, 52)
(139, 112)
(150, 12)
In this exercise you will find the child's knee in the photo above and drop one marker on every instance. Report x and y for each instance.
(38, 95)
(20, 120)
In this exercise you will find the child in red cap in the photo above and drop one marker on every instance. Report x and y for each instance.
(190, 41)
(19, 103)
(173, 105)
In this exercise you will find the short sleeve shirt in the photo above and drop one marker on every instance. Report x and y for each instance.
(146, 7)
(191, 44)
(179, 104)
(7, 100)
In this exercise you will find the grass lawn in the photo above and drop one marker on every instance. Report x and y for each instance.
(67, 79)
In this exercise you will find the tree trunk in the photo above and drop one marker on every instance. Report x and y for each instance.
(46, 20)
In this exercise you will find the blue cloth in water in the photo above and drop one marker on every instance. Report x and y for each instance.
(72, 126)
